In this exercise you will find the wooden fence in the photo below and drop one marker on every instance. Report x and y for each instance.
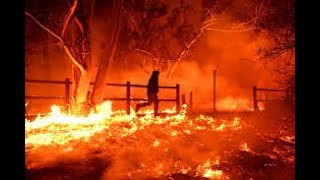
(289, 96)
(127, 98)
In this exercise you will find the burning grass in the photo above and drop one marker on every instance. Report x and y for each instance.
(112, 145)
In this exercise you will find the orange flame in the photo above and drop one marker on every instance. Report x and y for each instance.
(58, 128)
(244, 147)
(234, 104)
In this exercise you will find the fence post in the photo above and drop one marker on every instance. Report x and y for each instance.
(291, 94)
(255, 103)
(191, 105)
(183, 99)
(67, 91)
(178, 98)
(288, 95)
(214, 90)
(128, 98)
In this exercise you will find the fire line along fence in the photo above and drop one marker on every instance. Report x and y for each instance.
(127, 98)
(286, 95)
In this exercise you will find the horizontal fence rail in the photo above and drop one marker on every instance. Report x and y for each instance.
(136, 99)
(287, 92)
(45, 97)
(128, 97)
(47, 81)
(268, 89)
(66, 83)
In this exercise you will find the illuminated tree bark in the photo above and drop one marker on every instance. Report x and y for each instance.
(79, 53)
(81, 47)
(112, 31)
(78, 47)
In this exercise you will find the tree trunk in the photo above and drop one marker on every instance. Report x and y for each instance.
(80, 51)
(113, 29)
(81, 33)
(81, 88)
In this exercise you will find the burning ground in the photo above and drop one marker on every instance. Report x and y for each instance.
(112, 145)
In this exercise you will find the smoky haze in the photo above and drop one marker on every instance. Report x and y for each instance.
(229, 53)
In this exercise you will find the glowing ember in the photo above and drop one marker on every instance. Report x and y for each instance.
(208, 172)
(244, 147)
(289, 139)
(156, 143)
(61, 128)
(261, 106)
(214, 174)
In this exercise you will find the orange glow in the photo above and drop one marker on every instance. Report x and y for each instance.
(60, 128)
(237, 104)
(156, 143)
(221, 58)
(234, 104)
(117, 134)
(244, 147)
(290, 139)
(214, 174)
(261, 106)
(207, 172)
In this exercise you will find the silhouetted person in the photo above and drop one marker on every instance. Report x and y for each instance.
(152, 93)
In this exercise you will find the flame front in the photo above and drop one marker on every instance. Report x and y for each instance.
(154, 146)
(237, 104)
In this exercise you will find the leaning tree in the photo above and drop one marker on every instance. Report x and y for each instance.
(163, 31)
(74, 36)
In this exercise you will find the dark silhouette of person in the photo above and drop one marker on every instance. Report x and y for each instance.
(152, 93)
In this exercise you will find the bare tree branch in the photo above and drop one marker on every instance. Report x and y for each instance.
(67, 19)
(79, 24)
(73, 59)
(184, 53)
(243, 24)
(231, 30)
(276, 51)
(144, 69)
(247, 60)
(203, 29)
(207, 26)
(209, 23)
(130, 17)
(45, 28)
(145, 53)
(92, 10)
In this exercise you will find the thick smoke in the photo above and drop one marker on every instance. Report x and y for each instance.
(231, 54)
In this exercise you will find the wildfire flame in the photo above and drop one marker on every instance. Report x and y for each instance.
(237, 104)
(214, 174)
(244, 147)
(66, 132)
(234, 104)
